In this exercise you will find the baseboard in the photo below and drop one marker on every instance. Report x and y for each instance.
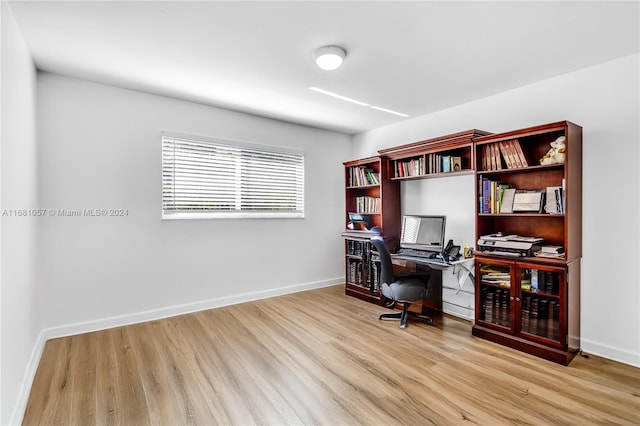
(458, 311)
(27, 380)
(610, 352)
(122, 320)
(187, 308)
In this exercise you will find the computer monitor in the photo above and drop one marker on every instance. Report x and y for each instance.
(423, 232)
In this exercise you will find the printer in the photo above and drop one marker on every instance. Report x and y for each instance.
(509, 245)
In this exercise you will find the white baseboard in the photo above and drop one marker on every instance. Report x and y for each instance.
(187, 308)
(610, 352)
(458, 311)
(27, 380)
(121, 320)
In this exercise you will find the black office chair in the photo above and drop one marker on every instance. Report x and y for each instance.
(406, 287)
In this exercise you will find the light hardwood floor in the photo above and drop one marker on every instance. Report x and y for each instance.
(316, 357)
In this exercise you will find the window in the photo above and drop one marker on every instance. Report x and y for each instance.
(206, 178)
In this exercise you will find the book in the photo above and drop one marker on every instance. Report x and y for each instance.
(505, 155)
(552, 249)
(552, 203)
(543, 315)
(504, 302)
(515, 143)
(446, 163)
(526, 307)
(506, 206)
(485, 166)
(552, 326)
(456, 164)
(512, 154)
(528, 201)
(488, 307)
(533, 322)
(540, 253)
(500, 190)
(534, 280)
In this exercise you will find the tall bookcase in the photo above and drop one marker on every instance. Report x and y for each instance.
(370, 194)
(531, 303)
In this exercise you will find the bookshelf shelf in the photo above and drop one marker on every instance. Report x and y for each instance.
(443, 156)
(363, 187)
(543, 321)
(522, 215)
(434, 175)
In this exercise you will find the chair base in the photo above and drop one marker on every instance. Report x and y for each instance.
(402, 316)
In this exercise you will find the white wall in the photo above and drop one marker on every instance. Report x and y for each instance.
(604, 100)
(19, 309)
(449, 197)
(100, 148)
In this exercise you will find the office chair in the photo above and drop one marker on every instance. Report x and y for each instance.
(406, 287)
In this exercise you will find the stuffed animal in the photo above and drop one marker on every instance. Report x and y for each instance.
(556, 153)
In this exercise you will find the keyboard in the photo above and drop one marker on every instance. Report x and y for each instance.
(422, 257)
(415, 253)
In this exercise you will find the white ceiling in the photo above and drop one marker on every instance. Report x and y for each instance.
(413, 57)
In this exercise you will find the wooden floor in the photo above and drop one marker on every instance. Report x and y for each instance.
(317, 357)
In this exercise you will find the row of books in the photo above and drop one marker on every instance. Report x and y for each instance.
(413, 167)
(496, 307)
(366, 204)
(436, 163)
(354, 272)
(499, 197)
(444, 163)
(492, 197)
(363, 176)
(374, 276)
(511, 151)
(355, 248)
(546, 281)
(541, 316)
(501, 279)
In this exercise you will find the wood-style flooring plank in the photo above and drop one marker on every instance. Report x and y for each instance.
(317, 357)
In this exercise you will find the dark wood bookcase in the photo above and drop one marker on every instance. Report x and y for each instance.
(528, 303)
(509, 309)
(371, 194)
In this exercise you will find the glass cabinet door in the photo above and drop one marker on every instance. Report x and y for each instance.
(495, 293)
(541, 292)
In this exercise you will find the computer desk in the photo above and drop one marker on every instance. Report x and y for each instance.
(463, 268)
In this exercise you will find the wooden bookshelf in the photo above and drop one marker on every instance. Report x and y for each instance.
(518, 315)
(371, 195)
(509, 309)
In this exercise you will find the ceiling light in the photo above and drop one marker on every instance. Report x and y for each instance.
(329, 58)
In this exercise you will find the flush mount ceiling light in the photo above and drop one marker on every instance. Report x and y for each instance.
(329, 58)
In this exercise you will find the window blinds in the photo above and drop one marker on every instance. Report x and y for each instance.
(208, 178)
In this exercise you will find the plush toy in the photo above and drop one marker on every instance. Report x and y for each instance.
(556, 153)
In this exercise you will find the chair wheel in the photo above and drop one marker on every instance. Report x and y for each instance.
(430, 321)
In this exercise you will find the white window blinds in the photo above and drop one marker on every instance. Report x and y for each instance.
(204, 178)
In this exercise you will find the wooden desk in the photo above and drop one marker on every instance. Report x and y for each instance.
(432, 306)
